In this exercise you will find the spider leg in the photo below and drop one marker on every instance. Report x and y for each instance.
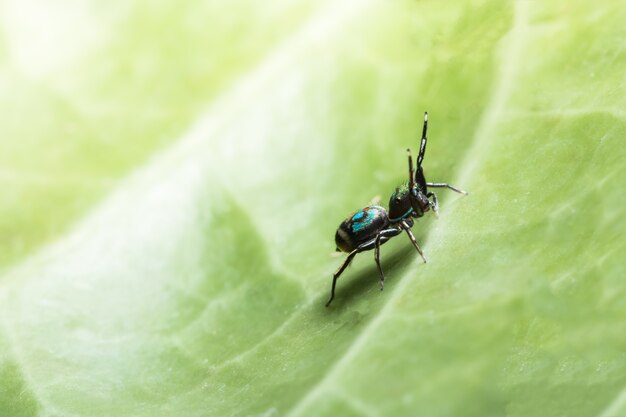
(444, 185)
(377, 259)
(434, 204)
(407, 229)
(382, 237)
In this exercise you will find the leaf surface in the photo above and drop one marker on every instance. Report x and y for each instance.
(195, 284)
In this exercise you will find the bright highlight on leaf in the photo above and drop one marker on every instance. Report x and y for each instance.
(173, 177)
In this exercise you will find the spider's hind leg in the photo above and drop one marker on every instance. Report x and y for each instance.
(382, 237)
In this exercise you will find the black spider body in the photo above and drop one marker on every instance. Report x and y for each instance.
(372, 226)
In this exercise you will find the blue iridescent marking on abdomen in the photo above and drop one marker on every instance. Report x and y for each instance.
(358, 215)
(358, 226)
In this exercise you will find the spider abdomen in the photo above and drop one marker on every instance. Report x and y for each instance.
(360, 227)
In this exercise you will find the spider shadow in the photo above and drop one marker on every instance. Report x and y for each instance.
(351, 286)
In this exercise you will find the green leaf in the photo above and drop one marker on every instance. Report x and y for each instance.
(175, 176)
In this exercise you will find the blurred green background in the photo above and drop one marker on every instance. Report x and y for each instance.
(173, 174)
